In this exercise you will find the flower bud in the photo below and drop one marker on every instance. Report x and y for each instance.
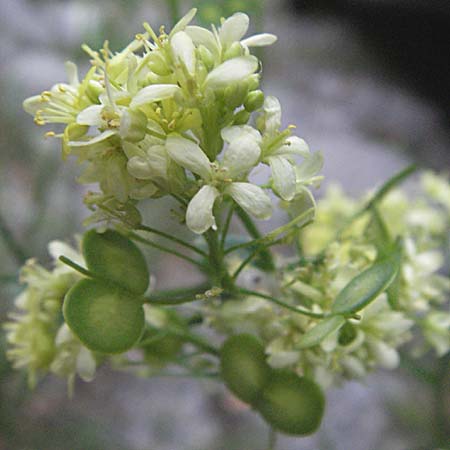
(253, 82)
(206, 57)
(133, 125)
(93, 91)
(254, 100)
(158, 65)
(235, 94)
(241, 117)
(234, 51)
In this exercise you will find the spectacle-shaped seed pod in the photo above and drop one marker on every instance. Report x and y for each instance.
(243, 366)
(291, 404)
(105, 317)
(113, 257)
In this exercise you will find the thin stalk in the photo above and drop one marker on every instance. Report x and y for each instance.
(219, 274)
(282, 304)
(226, 226)
(75, 266)
(172, 238)
(274, 233)
(252, 255)
(253, 231)
(170, 301)
(378, 196)
(191, 290)
(194, 339)
(11, 243)
(163, 248)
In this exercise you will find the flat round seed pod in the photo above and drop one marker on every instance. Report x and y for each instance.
(112, 256)
(243, 366)
(291, 404)
(105, 318)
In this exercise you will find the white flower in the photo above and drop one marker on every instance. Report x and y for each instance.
(436, 329)
(239, 158)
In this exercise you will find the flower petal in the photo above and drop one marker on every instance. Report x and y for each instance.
(251, 198)
(92, 116)
(232, 71)
(238, 131)
(293, 145)
(199, 214)
(184, 50)
(241, 156)
(234, 28)
(95, 140)
(202, 36)
(154, 93)
(309, 168)
(283, 175)
(189, 155)
(259, 40)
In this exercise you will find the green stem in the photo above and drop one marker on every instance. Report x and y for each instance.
(184, 291)
(172, 238)
(266, 256)
(226, 227)
(282, 304)
(10, 242)
(269, 237)
(253, 254)
(378, 196)
(194, 339)
(75, 266)
(219, 274)
(163, 248)
(170, 301)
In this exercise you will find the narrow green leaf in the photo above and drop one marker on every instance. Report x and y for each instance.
(366, 286)
(316, 335)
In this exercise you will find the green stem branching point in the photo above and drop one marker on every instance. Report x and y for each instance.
(282, 304)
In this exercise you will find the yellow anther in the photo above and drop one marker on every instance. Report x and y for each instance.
(61, 88)
(50, 134)
(292, 127)
(171, 124)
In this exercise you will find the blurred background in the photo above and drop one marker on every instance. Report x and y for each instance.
(365, 81)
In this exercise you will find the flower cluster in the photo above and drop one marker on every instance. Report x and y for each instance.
(37, 337)
(152, 120)
(372, 339)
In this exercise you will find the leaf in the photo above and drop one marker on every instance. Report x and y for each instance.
(317, 334)
(103, 316)
(366, 286)
(113, 257)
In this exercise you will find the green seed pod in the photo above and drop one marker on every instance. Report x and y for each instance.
(103, 316)
(241, 117)
(291, 404)
(243, 366)
(112, 256)
(254, 100)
